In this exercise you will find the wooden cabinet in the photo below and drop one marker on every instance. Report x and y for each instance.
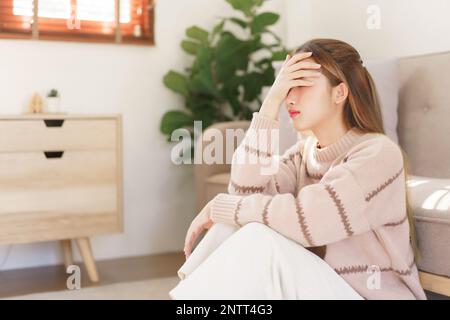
(60, 179)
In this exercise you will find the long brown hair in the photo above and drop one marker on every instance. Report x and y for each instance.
(342, 63)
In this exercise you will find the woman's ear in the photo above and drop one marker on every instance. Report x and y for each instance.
(339, 93)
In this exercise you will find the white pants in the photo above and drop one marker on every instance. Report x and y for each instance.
(256, 262)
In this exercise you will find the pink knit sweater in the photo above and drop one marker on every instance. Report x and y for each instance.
(349, 196)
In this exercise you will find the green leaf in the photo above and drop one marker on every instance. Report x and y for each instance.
(217, 29)
(231, 55)
(268, 75)
(239, 22)
(203, 109)
(270, 46)
(247, 113)
(245, 6)
(263, 20)
(258, 3)
(197, 33)
(199, 103)
(207, 117)
(203, 59)
(190, 47)
(277, 38)
(255, 44)
(176, 82)
(263, 62)
(175, 119)
(254, 82)
(202, 82)
(230, 90)
(279, 55)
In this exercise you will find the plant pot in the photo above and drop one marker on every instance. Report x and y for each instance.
(53, 104)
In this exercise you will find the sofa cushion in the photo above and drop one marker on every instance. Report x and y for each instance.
(423, 113)
(430, 201)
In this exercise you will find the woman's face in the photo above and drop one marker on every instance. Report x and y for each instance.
(314, 103)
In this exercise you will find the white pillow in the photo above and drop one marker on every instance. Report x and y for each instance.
(385, 74)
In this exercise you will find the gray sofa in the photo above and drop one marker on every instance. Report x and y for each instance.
(424, 134)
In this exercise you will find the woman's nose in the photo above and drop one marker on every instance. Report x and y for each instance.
(289, 99)
(290, 102)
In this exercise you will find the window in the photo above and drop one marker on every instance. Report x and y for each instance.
(120, 21)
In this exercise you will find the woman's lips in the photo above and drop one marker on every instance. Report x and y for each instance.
(294, 113)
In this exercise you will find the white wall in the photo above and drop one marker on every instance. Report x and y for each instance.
(103, 78)
(99, 78)
(408, 27)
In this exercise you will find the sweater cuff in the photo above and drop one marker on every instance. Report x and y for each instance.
(261, 133)
(224, 208)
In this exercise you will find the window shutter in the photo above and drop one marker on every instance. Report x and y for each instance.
(79, 20)
(16, 18)
(141, 18)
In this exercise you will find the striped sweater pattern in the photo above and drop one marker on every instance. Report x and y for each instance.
(348, 196)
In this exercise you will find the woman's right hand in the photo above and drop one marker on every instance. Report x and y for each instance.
(200, 224)
(290, 75)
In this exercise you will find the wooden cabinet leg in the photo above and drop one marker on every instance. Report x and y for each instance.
(84, 245)
(67, 252)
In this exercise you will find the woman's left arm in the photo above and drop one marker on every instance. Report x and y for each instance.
(365, 191)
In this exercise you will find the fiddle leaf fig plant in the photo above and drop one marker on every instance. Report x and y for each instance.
(228, 73)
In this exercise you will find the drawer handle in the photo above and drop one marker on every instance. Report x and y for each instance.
(53, 154)
(50, 123)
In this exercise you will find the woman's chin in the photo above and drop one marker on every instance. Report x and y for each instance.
(299, 125)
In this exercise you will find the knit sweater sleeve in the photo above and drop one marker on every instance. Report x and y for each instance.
(256, 167)
(352, 197)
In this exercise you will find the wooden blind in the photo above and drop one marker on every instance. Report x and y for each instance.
(120, 21)
(16, 17)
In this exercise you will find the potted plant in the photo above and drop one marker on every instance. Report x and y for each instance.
(228, 73)
(53, 101)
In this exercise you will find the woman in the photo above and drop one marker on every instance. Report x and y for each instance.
(331, 222)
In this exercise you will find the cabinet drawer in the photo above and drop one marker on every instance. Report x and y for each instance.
(73, 182)
(57, 134)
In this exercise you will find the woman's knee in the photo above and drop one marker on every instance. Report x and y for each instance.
(254, 226)
(222, 227)
(253, 231)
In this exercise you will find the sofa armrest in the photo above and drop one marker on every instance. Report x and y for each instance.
(430, 199)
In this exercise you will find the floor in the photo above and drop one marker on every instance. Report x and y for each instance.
(53, 278)
(153, 289)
